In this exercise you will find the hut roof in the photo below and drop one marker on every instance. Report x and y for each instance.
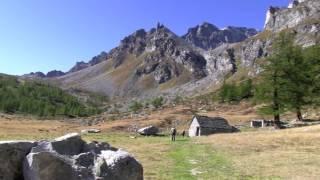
(205, 121)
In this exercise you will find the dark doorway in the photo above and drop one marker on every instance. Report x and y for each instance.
(198, 131)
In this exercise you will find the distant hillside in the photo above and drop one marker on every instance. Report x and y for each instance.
(30, 97)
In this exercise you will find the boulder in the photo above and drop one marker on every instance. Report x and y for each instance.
(12, 154)
(69, 157)
(148, 131)
(117, 165)
(86, 131)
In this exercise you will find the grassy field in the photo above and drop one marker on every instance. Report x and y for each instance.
(259, 154)
(269, 154)
(287, 154)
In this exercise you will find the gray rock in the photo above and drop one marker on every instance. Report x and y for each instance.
(148, 131)
(118, 165)
(12, 154)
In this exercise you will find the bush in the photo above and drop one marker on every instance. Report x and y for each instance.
(135, 106)
(157, 102)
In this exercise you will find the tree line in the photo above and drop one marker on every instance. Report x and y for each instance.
(28, 97)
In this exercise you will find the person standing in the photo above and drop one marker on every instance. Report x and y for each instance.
(173, 134)
(183, 133)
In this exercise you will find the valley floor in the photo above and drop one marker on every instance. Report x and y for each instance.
(250, 154)
(265, 154)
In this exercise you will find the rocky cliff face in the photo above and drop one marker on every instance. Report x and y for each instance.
(298, 12)
(208, 36)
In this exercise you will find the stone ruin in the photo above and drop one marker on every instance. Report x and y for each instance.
(68, 157)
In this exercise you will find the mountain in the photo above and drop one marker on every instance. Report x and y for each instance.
(149, 63)
(40, 75)
(208, 36)
(144, 62)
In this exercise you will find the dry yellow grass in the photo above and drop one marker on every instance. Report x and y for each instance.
(288, 154)
(263, 154)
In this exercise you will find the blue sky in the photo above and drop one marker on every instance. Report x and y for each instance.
(39, 35)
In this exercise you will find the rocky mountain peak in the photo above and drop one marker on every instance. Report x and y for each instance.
(206, 28)
(208, 36)
(55, 73)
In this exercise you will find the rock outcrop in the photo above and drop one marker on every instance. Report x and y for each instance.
(67, 157)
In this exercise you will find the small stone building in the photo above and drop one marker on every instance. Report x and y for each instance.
(204, 125)
(261, 123)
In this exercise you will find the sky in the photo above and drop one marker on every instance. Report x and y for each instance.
(43, 35)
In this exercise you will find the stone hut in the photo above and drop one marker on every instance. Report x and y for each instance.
(204, 125)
